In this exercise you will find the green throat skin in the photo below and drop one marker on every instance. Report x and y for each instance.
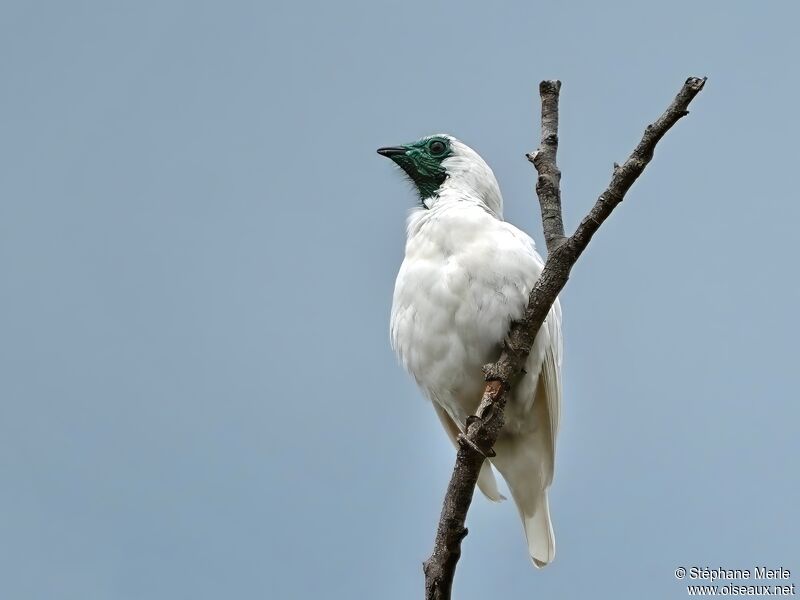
(422, 162)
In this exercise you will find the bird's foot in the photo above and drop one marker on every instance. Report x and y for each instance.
(472, 419)
(463, 439)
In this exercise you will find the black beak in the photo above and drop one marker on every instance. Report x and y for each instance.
(391, 151)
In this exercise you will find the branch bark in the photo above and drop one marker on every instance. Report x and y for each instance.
(563, 252)
(548, 184)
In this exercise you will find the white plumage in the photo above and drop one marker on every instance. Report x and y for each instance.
(465, 276)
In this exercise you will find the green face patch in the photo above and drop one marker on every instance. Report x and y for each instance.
(422, 162)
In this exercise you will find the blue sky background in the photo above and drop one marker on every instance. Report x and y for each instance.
(198, 246)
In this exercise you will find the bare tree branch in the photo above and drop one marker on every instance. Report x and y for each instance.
(548, 185)
(483, 429)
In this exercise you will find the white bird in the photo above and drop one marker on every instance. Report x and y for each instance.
(465, 276)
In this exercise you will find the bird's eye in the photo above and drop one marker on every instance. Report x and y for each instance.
(437, 147)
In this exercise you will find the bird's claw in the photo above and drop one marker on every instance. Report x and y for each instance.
(462, 439)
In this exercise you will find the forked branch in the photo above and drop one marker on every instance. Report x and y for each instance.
(483, 429)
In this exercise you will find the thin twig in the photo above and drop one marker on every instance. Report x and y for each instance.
(548, 184)
(482, 431)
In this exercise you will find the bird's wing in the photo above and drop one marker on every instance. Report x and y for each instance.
(551, 375)
(527, 460)
(486, 480)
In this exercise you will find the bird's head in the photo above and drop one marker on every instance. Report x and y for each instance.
(440, 163)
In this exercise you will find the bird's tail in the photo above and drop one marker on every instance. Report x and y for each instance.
(539, 532)
(523, 464)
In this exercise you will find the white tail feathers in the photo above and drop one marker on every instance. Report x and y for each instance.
(539, 533)
(488, 484)
(524, 464)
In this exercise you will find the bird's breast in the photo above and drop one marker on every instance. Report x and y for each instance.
(452, 306)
